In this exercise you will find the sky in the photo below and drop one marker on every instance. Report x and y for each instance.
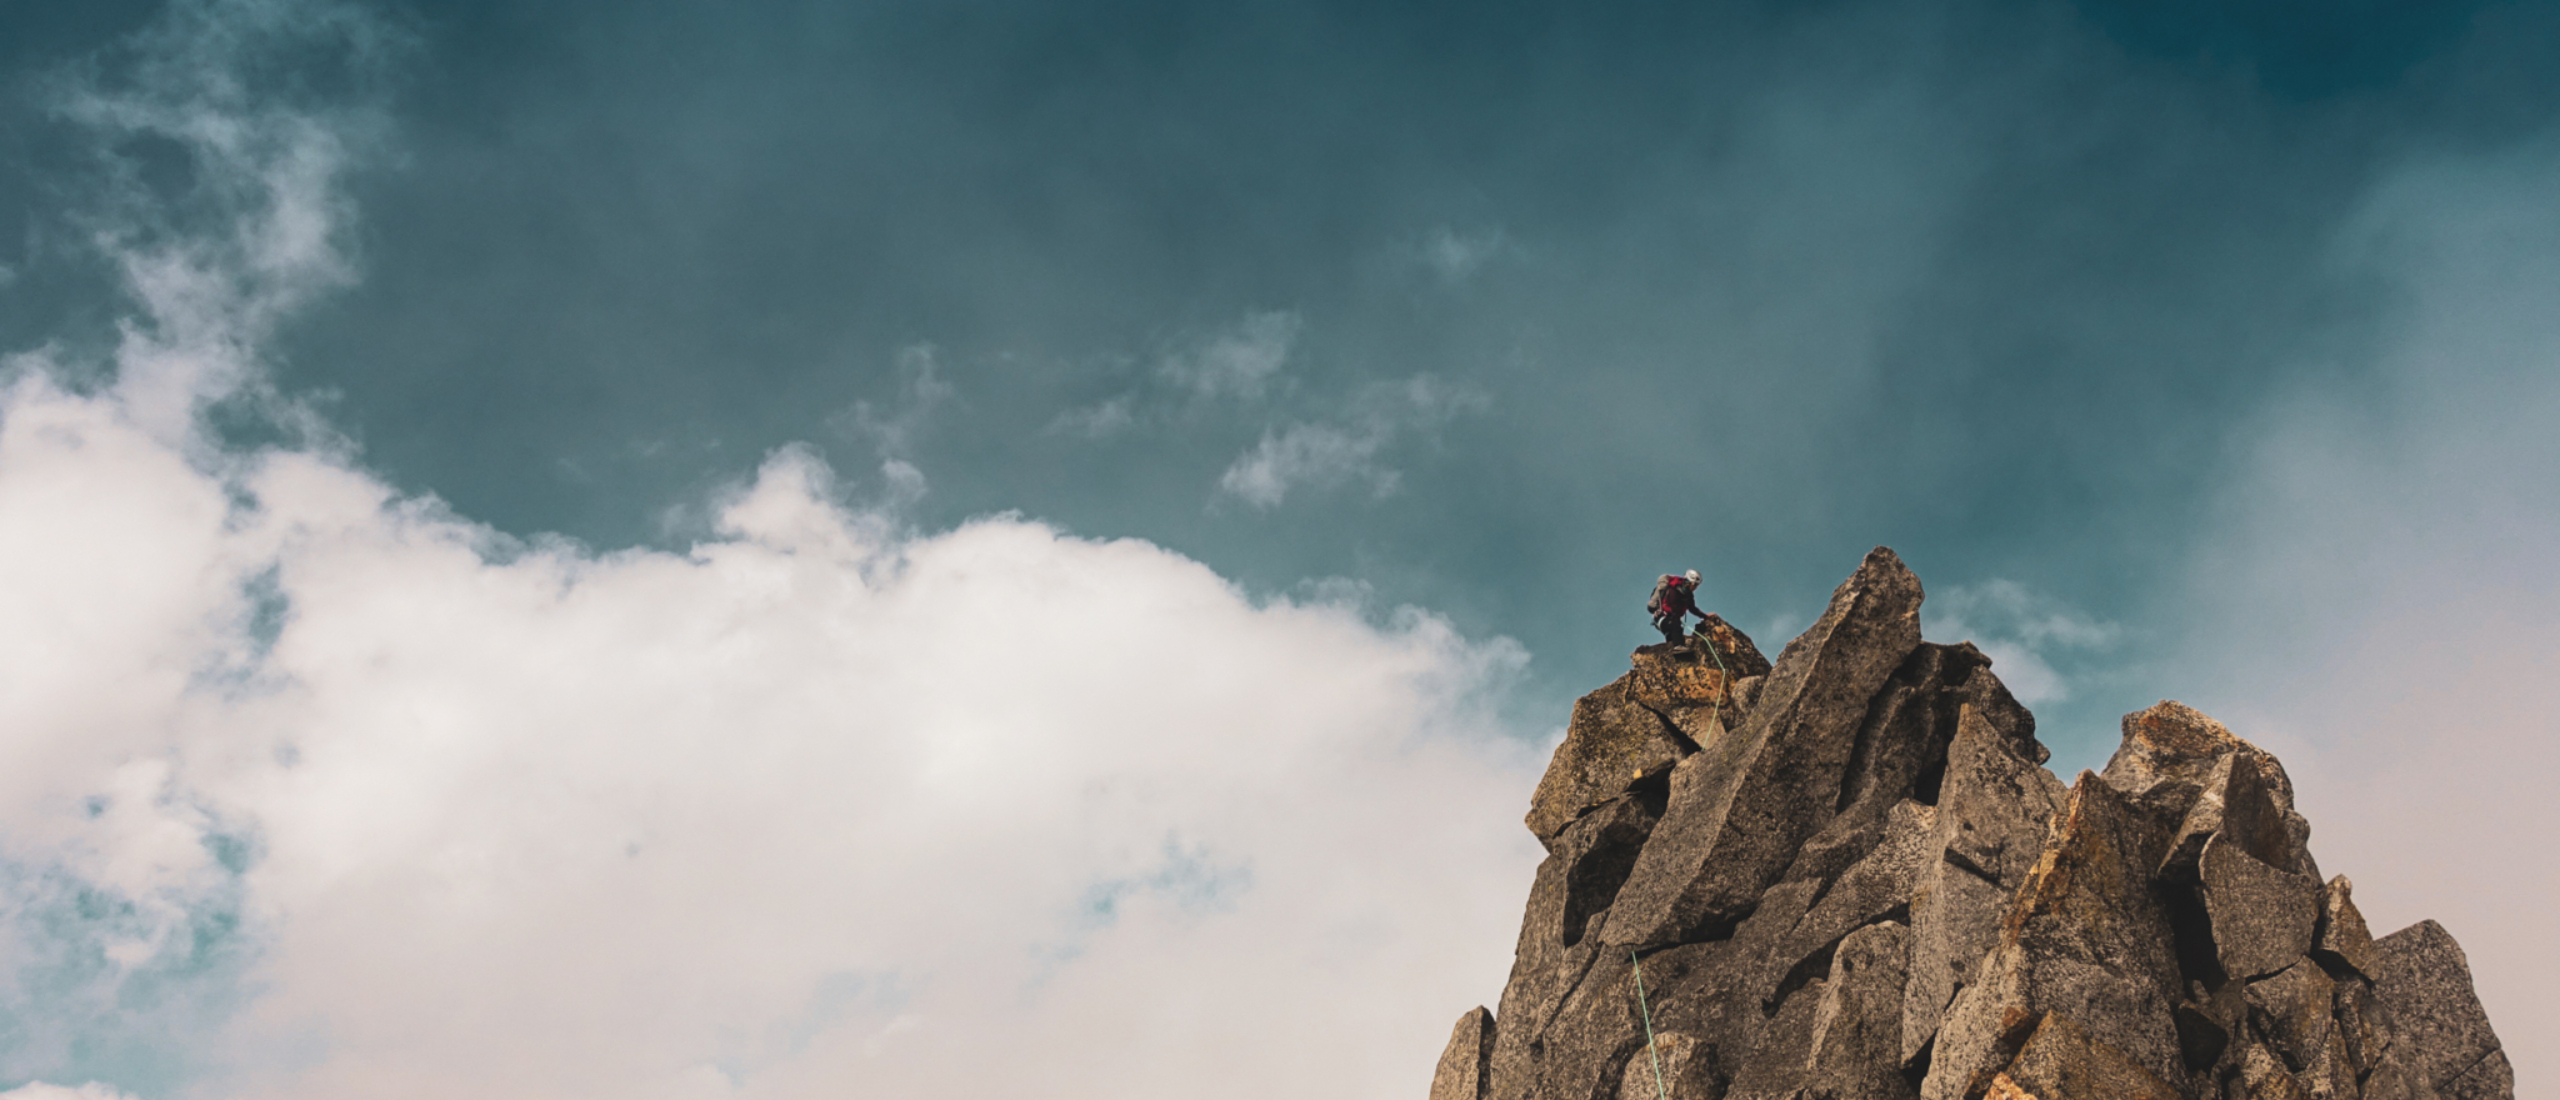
(783, 549)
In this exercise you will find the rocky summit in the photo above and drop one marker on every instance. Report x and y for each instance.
(1847, 875)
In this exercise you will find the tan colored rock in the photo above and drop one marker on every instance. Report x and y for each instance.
(2178, 763)
(1583, 1046)
(2262, 917)
(1780, 1049)
(2294, 1009)
(2003, 1088)
(1465, 1061)
(2062, 1061)
(1740, 808)
(2424, 982)
(2086, 936)
(2330, 1074)
(2392, 1079)
(1993, 811)
(1674, 1066)
(2342, 934)
(1672, 700)
(2359, 1024)
(2490, 1078)
(2263, 1076)
(1867, 893)
(1855, 1052)
(1870, 878)
(2238, 803)
(1575, 883)
(1611, 740)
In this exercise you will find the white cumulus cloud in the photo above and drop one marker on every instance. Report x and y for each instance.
(313, 788)
(811, 805)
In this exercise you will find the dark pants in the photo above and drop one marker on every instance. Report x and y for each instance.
(1674, 626)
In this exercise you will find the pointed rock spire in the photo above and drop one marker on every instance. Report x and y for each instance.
(1848, 876)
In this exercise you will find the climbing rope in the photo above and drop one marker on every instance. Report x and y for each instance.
(1647, 1010)
(1725, 675)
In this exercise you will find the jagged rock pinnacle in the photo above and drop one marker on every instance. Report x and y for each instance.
(1847, 875)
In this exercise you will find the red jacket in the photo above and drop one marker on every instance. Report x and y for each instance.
(1679, 597)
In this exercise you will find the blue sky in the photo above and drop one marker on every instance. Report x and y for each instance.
(2186, 350)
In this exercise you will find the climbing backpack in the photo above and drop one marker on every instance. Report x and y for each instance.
(1653, 604)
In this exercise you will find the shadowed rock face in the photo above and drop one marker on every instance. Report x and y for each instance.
(1847, 875)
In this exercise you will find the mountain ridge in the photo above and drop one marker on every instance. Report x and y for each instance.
(1846, 875)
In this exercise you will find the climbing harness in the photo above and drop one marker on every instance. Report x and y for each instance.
(1665, 1094)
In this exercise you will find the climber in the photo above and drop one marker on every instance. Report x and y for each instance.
(1674, 600)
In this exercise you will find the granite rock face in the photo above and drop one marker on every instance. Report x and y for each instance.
(1675, 699)
(1847, 875)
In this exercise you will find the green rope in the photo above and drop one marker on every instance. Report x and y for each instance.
(1664, 1093)
(1725, 688)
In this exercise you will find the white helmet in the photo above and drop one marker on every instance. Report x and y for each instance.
(1693, 576)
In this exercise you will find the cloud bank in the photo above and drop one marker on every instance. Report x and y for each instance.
(312, 788)
(816, 805)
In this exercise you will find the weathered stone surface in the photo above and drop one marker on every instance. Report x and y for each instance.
(1850, 872)
(1990, 698)
(2424, 982)
(1612, 739)
(2330, 1074)
(1955, 920)
(2176, 762)
(2342, 935)
(2168, 755)
(2392, 1079)
(2203, 1035)
(2237, 803)
(2359, 1023)
(1739, 808)
(1855, 1051)
(1678, 1064)
(1874, 889)
(1995, 806)
(2003, 1088)
(2491, 1078)
(1581, 873)
(1465, 1062)
(1668, 678)
(2262, 918)
(1671, 701)
(1746, 692)
(1901, 743)
(2061, 1061)
(1993, 809)
(1780, 1049)
(1582, 1052)
(1766, 962)
(2263, 1076)
(1732, 647)
(2293, 1010)
(1701, 990)
(2086, 937)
